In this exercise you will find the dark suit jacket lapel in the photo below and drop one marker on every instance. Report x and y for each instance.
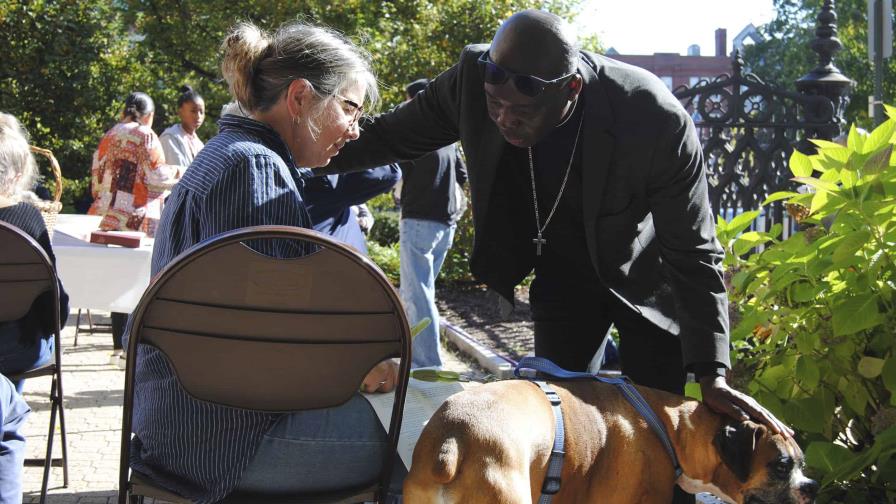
(597, 150)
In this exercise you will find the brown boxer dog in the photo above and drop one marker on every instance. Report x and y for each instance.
(491, 444)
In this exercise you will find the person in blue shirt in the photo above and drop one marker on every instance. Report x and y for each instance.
(301, 90)
(330, 199)
(13, 414)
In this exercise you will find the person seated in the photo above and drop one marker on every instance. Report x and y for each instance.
(302, 90)
(28, 342)
(335, 203)
(13, 413)
(180, 141)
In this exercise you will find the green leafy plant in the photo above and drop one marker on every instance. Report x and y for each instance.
(385, 227)
(420, 326)
(456, 268)
(815, 337)
(75, 194)
(387, 258)
(437, 375)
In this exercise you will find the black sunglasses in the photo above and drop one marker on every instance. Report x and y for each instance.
(528, 85)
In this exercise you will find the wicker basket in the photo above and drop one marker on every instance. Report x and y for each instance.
(50, 209)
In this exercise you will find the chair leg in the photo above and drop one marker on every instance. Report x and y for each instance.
(62, 435)
(77, 326)
(49, 459)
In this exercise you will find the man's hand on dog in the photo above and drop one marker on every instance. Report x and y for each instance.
(727, 401)
(382, 378)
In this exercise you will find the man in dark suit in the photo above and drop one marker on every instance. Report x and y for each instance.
(589, 171)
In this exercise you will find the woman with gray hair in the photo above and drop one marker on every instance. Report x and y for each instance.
(27, 342)
(300, 92)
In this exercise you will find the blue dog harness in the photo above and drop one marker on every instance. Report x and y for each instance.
(551, 483)
(529, 366)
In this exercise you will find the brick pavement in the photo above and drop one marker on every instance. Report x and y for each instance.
(93, 398)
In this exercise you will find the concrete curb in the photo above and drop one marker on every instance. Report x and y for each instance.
(489, 360)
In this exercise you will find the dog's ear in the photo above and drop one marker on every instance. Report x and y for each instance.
(736, 444)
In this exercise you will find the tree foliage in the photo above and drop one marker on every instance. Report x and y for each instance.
(68, 64)
(408, 39)
(817, 313)
(66, 69)
(785, 55)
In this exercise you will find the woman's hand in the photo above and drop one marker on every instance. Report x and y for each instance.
(382, 378)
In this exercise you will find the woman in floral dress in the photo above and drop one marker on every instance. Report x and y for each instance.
(129, 176)
(129, 181)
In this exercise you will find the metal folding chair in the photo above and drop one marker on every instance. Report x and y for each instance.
(325, 317)
(25, 273)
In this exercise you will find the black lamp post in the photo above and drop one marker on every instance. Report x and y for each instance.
(826, 79)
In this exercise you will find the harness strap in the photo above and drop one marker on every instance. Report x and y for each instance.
(548, 368)
(551, 483)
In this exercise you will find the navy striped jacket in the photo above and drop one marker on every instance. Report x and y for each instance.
(244, 176)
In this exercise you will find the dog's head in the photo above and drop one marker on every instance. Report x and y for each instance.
(765, 468)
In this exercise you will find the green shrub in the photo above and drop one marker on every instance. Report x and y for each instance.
(75, 195)
(387, 258)
(815, 340)
(382, 202)
(385, 227)
(456, 268)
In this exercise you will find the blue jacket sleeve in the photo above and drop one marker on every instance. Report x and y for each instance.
(324, 200)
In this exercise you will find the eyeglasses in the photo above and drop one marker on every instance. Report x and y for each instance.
(354, 110)
(528, 85)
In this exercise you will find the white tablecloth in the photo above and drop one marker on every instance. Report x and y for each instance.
(95, 276)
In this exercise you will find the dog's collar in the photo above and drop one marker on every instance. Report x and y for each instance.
(539, 365)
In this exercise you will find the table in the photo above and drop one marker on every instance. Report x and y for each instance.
(102, 277)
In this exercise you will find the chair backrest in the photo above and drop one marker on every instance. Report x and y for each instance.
(25, 273)
(243, 329)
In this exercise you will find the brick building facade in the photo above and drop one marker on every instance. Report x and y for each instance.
(676, 70)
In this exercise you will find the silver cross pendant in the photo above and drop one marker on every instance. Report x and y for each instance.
(538, 243)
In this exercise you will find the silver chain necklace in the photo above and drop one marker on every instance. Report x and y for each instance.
(539, 240)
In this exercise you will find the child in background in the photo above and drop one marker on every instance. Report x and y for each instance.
(180, 142)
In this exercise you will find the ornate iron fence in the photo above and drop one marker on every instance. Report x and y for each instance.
(749, 128)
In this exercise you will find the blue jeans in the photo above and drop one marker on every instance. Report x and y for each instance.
(423, 246)
(318, 450)
(16, 357)
(13, 413)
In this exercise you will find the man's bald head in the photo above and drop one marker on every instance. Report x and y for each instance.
(537, 43)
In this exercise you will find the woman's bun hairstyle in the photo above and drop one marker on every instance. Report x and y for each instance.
(187, 94)
(138, 105)
(243, 48)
